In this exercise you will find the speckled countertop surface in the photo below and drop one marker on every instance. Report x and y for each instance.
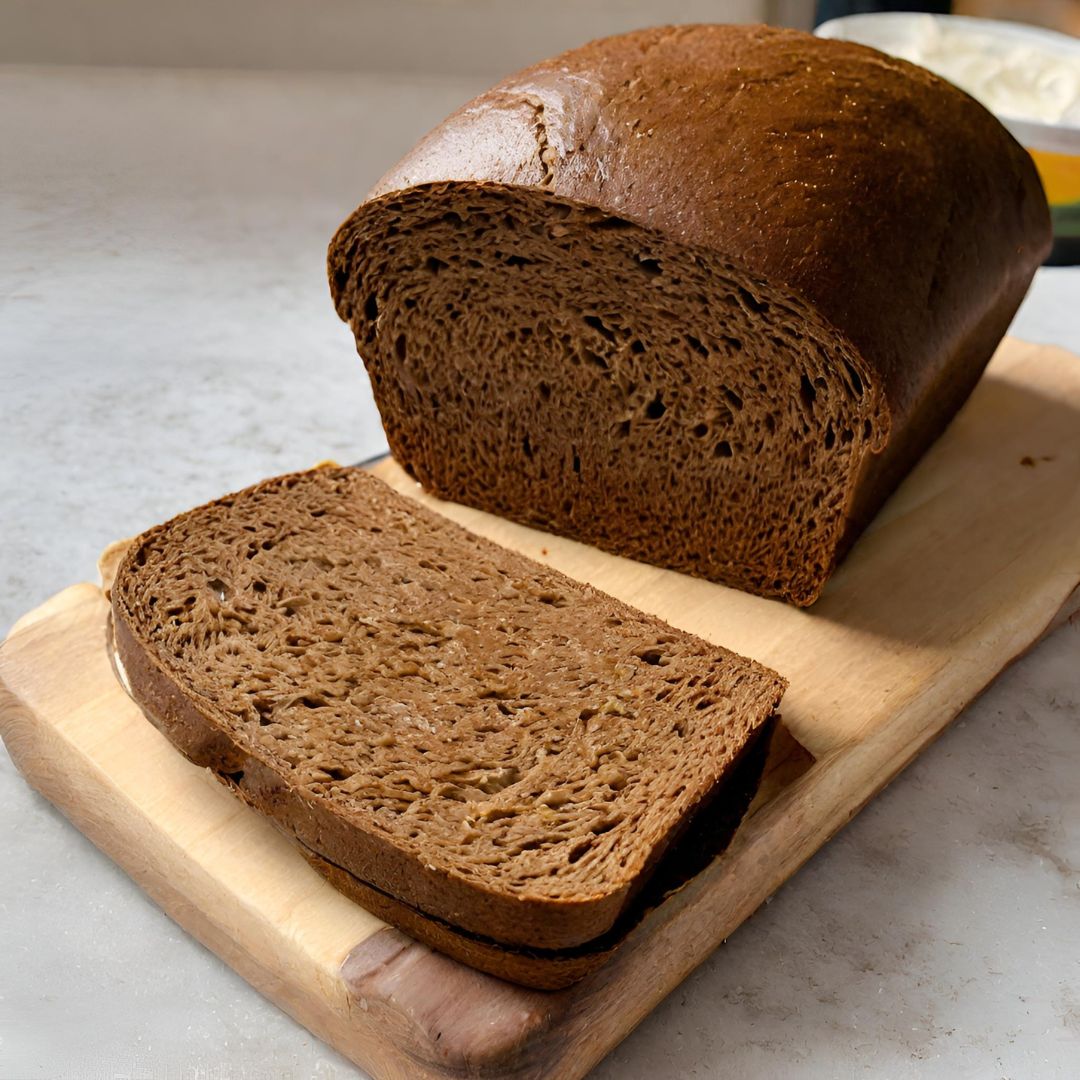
(166, 335)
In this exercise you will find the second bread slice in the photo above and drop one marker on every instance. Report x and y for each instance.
(479, 737)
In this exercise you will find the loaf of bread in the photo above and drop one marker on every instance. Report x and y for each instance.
(500, 756)
(700, 296)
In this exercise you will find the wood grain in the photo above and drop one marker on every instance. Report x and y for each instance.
(972, 561)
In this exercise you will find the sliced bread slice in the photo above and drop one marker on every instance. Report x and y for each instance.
(482, 739)
(706, 837)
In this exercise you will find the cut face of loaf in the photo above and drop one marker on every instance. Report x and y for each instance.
(572, 370)
(479, 738)
(697, 295)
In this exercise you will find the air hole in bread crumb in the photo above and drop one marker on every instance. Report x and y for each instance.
(650, 266)
(856, 382)
(650, 656)
(218, 588)
(759, 307)
(526, 446)
(696, 345)
(701, 430)
(578, 851)
(598, 325)
(637, 347)
(807, 392)
(400, 347)
(545, 391)
(371, 308)
(656, 408)
(734, 400)
(434, 265)
(723, 449)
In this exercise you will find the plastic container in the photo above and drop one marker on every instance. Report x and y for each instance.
(1028, 77)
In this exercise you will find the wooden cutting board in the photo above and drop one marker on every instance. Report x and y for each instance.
(975, 558)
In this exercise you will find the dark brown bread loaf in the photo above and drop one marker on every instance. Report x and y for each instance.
(480, 738)
(697, 295)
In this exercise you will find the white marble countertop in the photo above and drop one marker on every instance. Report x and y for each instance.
(166, 335)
